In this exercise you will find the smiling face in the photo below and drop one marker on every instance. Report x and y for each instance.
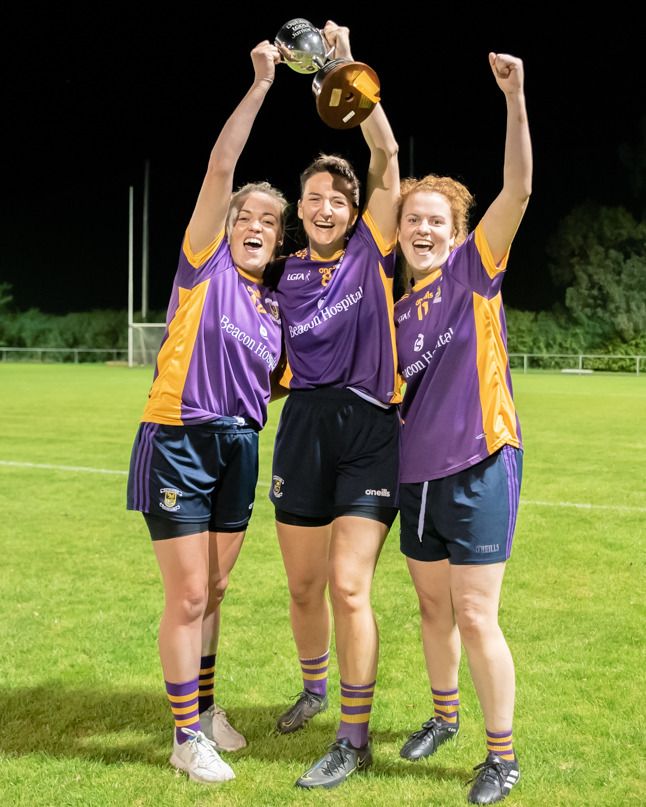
(426, 233)
(327, 211)
(256, 232)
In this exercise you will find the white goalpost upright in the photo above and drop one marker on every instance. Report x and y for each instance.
(144, 338)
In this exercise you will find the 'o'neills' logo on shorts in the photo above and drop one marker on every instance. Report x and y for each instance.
(277, 486)
(170, 499)
(487, 548)
(382, 492)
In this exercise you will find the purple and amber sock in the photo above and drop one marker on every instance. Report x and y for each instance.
(356, 703)
(446, 704)
(184, 703)
(207, 675)
(501, 744)
(315, 673)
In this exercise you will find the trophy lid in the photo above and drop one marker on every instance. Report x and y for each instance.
(301, 46)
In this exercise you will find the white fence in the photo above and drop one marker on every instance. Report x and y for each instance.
(580, 359)
(114, 352)
(145, 354)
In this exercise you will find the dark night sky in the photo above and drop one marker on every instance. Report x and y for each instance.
(89, 96)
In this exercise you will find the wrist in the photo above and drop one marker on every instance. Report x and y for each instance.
(263, 83)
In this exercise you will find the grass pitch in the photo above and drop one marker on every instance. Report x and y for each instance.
(83, 714)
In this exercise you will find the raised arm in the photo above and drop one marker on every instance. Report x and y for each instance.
(382, 188)
(212, 204)
(501, 220)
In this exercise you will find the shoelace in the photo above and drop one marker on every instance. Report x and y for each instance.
(201, 745)
(304, 695)
(338, 758)
(488, 768)
(426, 727)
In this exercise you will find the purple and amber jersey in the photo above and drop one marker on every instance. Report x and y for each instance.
(222, 340)
(338, 318)
(452, 341)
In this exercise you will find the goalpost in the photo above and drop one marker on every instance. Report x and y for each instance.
(144, 338)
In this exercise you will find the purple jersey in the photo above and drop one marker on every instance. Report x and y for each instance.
(452, 342)
(338, 318)
(222, 340)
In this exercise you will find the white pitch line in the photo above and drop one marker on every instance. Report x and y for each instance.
(266, 485)
(63, 467)
(78, 468)
(588, 506)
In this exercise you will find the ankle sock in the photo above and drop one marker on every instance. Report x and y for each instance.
(315, 673)
(184, 703)
(446, 703)
(501, 744)
(356, 703)
(207, 676)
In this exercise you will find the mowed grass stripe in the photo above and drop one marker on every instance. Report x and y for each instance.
(84, 714)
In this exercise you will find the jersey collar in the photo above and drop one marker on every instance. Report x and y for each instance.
(428, 280)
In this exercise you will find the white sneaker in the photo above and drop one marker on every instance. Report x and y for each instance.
(198, 757)
(216, 728)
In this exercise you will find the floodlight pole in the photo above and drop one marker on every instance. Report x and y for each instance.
(131, 273)
(144, 248)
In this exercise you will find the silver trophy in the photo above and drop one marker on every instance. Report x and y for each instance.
(346, 92)
(301, 45)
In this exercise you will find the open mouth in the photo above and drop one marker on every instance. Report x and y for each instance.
(422, 246)
(252, 244)
(324, 225)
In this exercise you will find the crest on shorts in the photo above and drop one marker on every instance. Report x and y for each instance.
(278, 486)
(170, 499)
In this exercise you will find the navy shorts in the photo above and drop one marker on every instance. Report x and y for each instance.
(335, 451)
(202, 474)
(468, 517)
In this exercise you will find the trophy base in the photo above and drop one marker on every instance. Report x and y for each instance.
(346, 93)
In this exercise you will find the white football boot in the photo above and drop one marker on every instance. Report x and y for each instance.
(198, 757)
(216, 728)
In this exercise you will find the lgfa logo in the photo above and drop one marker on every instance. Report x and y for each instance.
(419, 343)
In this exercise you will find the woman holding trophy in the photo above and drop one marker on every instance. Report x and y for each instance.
(194, 464)
(335, 471)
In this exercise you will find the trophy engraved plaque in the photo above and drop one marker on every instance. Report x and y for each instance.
(346, 92)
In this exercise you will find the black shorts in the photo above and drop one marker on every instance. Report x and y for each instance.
(203, 474)
(334, 451)
(468, 517)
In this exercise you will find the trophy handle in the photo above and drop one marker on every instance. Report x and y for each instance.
(328, 53)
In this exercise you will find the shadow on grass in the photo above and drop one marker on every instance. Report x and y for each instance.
(112, 727)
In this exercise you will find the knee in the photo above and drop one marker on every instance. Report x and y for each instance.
(217, 590)
(307, 593)
(347, 596)
(191, 605)
(433, 610)
(474, 625)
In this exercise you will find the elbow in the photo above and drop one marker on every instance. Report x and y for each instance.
(392, 150)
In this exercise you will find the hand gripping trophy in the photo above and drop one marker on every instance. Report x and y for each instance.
(345, 91)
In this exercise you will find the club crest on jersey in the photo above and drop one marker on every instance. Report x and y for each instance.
(438, 296)
(274, 311)
(419, 342)
(170, 499)
(277, 486)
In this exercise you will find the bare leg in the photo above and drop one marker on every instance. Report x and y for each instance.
(354, 551)
(224, 548)
(476, 593)
(305, 555)
(184, 564)
(440, 636)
